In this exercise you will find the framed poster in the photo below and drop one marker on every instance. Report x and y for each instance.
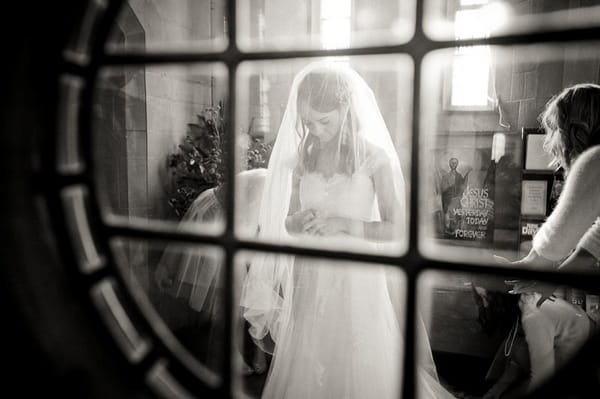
(464, 185)
(529, 226)
(535, 158)
(534, 195)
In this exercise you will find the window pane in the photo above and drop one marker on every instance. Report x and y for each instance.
(444, 18)
(158, 136)
(286, 25)
(335, 33)
(68, 147)
(473, 161)
(80, 44)
(471, 24)
(167, 25)
(182, 288)
(470, 74)
(472, 2)
(336, 9)
(328, 321)
(473, 320)
(339, 187)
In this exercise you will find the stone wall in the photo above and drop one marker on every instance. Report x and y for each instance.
(523, 80)
(151, 109)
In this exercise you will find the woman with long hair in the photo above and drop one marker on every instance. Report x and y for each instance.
(570, 237)
(334, 178)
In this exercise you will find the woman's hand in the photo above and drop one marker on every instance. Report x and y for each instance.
(296, 223)
(327, 226)
(532, 260)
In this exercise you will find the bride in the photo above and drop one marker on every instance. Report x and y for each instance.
(333, 176)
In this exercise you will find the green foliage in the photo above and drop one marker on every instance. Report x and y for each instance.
(199, 164)
(258, 154)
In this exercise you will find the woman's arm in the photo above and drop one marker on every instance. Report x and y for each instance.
(568, 227)
(389, 201)
(580, 259)
(297, 219)
(589, 245)
(577, 209)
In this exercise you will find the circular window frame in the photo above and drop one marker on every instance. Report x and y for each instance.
(147, 345)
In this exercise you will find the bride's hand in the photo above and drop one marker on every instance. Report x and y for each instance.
(327, 226)
(296, 223)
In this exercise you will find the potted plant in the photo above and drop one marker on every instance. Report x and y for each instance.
(199, 164)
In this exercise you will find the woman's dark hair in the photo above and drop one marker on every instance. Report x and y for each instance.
(325, 90)
(572, 123)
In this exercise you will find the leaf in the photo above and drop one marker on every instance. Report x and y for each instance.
(186, 147)
(198, 164)
(195, 129)
(201, 122)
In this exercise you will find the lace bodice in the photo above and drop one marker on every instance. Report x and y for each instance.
(339, 195)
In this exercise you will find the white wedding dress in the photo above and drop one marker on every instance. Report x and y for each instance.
(342, 338)
(332, 326)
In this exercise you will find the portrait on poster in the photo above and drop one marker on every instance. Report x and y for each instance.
(463, 194)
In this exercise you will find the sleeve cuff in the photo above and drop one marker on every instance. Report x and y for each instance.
(591, 240)
(542, 245)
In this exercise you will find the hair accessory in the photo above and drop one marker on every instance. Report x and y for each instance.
(341, 96)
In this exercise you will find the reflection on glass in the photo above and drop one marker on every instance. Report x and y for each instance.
(324, 24)
(68, 151)
(80, 45)
(451, 19)
(505, 342)
(105, 296)
(162, 382)
(480, 197)
(75, 201)
(184, 284)
(335, 133)
(159, 137)
(327, 328)
(162, 25)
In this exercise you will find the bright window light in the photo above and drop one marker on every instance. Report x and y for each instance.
(473, 2)
(335, 33)
(471, 65)
(335, 24)
(336, 9)
(471, 24)
(470, 79)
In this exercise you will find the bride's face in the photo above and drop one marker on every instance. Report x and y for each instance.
(323, 125)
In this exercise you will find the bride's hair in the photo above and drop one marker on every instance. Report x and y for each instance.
(325, 90)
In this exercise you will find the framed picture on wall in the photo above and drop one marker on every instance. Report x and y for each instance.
(534, 157)
(464, 177)
(534, 197)
(529, 226)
